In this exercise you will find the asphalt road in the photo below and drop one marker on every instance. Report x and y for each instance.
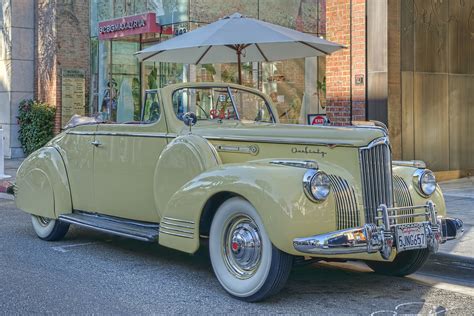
(94, 273)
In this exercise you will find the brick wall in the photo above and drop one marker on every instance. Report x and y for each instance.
(342, 91)
(63, 42)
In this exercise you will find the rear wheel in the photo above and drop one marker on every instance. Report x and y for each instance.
(244, 260)
(405, 263)
(49, 229)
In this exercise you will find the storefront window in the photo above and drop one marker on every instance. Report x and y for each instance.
(207, 11)
(118, 84)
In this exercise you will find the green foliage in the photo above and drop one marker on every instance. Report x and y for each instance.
(153, 78)
(36, 122)
(209, 68)
(322, 85)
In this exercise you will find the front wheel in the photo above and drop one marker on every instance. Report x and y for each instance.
(244, 260)
(405, 263)
(49, 229)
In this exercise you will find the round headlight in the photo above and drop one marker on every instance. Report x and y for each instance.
(316, 185)
(425, 182)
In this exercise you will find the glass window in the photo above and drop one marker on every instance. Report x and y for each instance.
(151, 111)
(207, 103)
(221, 103)
(251, 106)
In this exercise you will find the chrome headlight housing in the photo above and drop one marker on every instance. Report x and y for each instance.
(317, 185)
(424, 181)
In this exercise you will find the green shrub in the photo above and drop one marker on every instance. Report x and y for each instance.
(36, 122)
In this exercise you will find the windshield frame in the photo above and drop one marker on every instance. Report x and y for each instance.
(229, 89)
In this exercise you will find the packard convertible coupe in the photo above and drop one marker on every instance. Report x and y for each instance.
(211, 161)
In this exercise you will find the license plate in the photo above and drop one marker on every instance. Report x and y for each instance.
(410, 236)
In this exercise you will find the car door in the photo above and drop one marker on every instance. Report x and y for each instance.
(125, 158)
(76, 148)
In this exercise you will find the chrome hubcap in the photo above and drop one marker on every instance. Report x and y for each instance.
(242, 247)
(44, 221)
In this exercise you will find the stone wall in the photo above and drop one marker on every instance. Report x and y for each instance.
(16, 67)
(63, 42)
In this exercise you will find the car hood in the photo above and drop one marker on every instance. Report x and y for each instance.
(288, 133)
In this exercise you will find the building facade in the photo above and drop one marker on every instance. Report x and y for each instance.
(407, 63)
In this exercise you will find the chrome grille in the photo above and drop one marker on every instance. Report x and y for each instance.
(402, 198)
(376, 169)
(347, 213)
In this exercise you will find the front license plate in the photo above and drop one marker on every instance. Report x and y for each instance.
(410, 236)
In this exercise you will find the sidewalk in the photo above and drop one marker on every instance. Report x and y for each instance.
(11, 167)
(459, 196)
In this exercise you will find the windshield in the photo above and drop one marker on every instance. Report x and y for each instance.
(221, 103)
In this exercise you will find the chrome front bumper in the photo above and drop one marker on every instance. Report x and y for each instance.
(379, 237)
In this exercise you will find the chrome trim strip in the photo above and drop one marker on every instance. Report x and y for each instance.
(402, 196)
(139, 134)
(176, 230)
(377, 141)
(178, 220)
(307, 164)
(177, 225)
(251, 150)
(410, 163)
(174, 234)
(118, 219)
(347, 211)
(105, 230)
(292, 141)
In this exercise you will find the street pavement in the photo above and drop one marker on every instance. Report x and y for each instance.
(94, 273)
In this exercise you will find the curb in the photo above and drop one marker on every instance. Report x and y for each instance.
(6, 196)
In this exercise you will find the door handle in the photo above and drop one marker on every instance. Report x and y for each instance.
(96, 143)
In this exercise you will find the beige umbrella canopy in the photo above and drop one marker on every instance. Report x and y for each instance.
(238, 39)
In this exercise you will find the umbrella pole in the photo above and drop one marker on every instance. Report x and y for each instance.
(239, 64)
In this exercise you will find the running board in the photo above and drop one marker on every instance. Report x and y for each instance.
(113, 225)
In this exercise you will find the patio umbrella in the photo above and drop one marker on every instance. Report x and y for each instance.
(237, 38)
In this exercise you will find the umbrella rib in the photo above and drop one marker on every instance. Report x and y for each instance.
(261, 52)
(152, 55)
(203, 54)
(313, 47)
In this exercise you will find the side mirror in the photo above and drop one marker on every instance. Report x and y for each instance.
(190, 119)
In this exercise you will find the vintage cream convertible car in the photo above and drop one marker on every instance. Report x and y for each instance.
(211, 161)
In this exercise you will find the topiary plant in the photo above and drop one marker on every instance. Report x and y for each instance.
(36, 122)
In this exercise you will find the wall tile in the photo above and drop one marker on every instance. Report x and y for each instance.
(22, 76)
(5, 109)
(23, 44)
(23, 13)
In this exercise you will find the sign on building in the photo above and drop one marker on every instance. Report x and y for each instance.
(73, 90)
(317, 119)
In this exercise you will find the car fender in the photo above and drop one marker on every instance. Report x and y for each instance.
(275, 191)
(42, 186)
(406, 173)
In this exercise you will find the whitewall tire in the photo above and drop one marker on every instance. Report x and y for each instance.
(244, 260)
(49, 229)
